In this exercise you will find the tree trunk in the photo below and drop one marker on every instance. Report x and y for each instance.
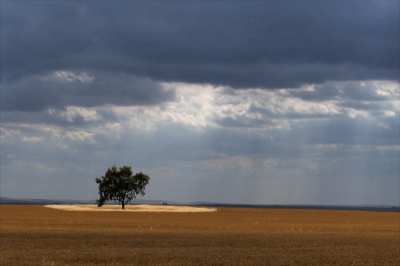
(123, 204)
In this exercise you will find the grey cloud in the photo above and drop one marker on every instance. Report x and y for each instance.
(345, 130)
(174, 153)
(239, 44)
(269, 118)
(242, 122)
(364, 105)
(269, 114)
(57, 118)
(248, 143)
(349, 91)
(176, 142)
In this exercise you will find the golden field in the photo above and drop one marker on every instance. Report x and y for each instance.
(36, 235)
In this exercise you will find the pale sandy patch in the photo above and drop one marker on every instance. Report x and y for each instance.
(131, 208)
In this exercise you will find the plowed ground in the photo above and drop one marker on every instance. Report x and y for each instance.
(35, 235)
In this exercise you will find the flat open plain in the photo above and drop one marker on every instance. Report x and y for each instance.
(36, 235)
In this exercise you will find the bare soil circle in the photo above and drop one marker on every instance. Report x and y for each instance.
(130, 208)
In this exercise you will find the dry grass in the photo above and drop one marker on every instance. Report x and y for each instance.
(130, 208)
(34, 235)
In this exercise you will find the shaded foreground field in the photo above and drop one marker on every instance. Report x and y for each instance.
(35, 235)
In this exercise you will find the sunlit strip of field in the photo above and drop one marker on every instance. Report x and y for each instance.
(131, 208)
(35, 235)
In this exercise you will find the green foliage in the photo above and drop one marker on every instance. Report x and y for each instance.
(121, 185)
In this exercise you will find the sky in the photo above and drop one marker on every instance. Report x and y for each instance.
(264, 102)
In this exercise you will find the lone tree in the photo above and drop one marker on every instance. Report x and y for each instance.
(121, 185)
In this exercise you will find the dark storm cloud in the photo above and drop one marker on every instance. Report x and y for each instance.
(239, 44)
(38, 94)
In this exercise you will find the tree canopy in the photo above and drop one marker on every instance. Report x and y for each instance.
(121, 185)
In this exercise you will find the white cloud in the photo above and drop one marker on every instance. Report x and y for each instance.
(353, 113)
(68, 76)
(242, 162)
(47, 168)
(79, 135)
(313, 166)
(88, 114)
(389, 147)
(389, 113)
(324, 146)
(270, 163)
(32, 139)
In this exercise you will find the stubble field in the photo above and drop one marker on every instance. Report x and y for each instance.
(35, 235)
